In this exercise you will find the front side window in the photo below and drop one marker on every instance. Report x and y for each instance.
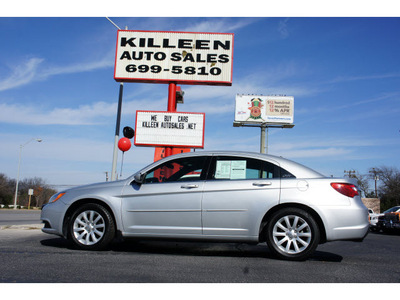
(183, 169)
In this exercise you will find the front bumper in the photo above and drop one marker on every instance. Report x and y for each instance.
(52, 216)
(391, 225)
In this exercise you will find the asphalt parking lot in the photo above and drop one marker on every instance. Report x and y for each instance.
(30, 256)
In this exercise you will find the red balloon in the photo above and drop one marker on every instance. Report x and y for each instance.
(124, 144)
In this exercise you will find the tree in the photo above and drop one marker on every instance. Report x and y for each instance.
(363, 184)
(7, 189)
(389, 189)
(41, 191)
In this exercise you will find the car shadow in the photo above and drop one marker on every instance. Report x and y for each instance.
(187, 248)
(60, 243)
(326, 257)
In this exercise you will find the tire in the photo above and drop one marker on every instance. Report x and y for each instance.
(91, 227)
(292, 234)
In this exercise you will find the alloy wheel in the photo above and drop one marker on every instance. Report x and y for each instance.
(89, 227)
(292, 234)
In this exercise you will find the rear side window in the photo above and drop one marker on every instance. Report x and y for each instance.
(240, 168)
(286, 174)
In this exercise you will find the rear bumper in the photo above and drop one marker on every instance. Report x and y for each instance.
(347, 223)
(352, 233)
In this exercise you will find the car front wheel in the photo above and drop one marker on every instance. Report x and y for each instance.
(91, 227)
(292, 234)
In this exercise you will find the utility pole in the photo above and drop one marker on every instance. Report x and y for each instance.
(350, 173)
(376, 178)
(19, 166)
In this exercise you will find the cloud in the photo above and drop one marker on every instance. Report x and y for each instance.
(283, 28)
(90, 114)
(34, 115)
(68, 160)
(33, 70)
(22, 74)
(363, 77)
(220, 25)
(209, 99)
(106, 62)
(380, 110)
(298, 147)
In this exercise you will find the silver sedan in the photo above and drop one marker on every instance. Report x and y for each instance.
(214, 196)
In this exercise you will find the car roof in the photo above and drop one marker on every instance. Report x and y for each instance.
(298, 170)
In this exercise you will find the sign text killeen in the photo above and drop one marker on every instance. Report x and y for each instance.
(181, 44)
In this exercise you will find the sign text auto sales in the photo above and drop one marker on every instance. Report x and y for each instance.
(182, 57)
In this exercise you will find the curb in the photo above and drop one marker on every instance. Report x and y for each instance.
(24, 226)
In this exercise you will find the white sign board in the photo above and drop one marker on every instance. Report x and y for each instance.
(230, 169)
(264, 109)
(181, 57)
(180, 129)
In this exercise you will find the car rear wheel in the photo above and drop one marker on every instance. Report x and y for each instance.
(292, 234)
(91, 227)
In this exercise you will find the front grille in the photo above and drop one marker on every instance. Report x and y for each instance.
(392, 217)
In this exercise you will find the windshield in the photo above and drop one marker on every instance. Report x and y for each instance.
(393, 209)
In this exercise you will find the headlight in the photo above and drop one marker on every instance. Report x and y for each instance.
(55, 197)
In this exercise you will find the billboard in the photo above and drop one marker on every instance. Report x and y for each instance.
(169, 129)
(264, 109)
(167, 56)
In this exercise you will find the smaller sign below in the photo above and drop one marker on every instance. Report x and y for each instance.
(178, 129)
(264, 109)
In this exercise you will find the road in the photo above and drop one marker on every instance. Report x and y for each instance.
(19, 217)
(32, 256)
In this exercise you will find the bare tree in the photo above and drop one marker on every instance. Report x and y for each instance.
(6, 189)
(389, 188)
(41, 191)
(363, 184)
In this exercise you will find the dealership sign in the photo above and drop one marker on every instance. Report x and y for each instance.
(264, 109)
(180, 129)
(181, 57)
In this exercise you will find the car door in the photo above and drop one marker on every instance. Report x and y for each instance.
(168, 202)
(237, 193)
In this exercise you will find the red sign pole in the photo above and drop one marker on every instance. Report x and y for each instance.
(171, 108)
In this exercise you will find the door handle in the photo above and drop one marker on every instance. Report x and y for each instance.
(189, 186)
(262, 183)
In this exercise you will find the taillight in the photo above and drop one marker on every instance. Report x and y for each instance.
(347, 189)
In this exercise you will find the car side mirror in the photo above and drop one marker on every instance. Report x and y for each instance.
(139, 177)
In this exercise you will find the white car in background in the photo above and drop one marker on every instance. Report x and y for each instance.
(373, 219)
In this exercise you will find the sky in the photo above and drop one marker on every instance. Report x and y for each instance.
(56, 84)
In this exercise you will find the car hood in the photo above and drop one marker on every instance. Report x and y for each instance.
(96, 186)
